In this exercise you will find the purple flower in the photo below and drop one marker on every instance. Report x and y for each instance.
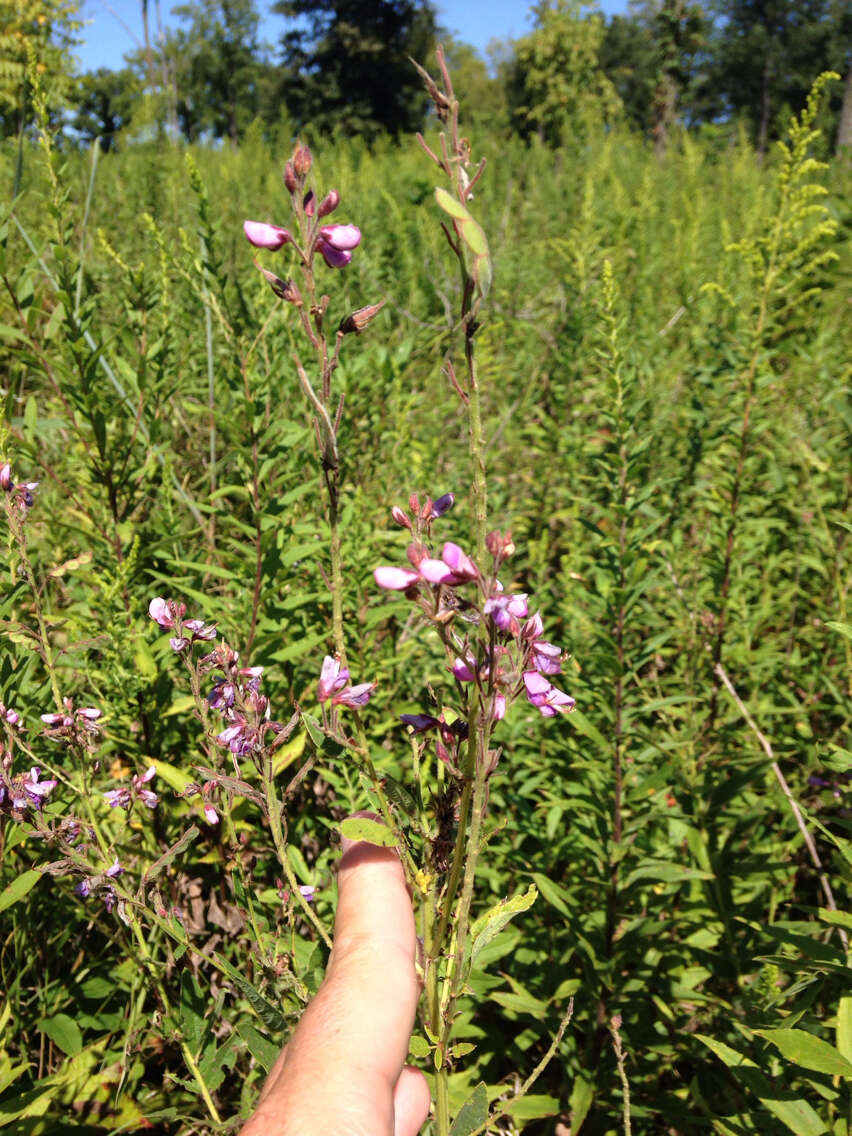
(465, 669)
(167, 613)
(83, 889)
(333, 677)
(420, 723)
(36, 790)
(336, 242)
(307, 891)
(354, 695)
(6, 481)
(545, 697)
(442, 505)
(499, 707)
(115, 869)
(72, 724)
(506, 611)
(261, 235)
(334, 684)
(124, 797)
(210, 815)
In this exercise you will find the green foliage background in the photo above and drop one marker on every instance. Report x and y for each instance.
(673, 462)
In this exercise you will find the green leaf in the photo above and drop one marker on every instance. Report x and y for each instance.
(451, 205)
(582, 1095)
(153, 870)
(63, 1032)
(18, 888)
(842, 628)
(532, 1107)
(808, 1051)
(419, 1047)
(261, 1048)
(372, 831)
(473, 1113)
(322, 742)
(552, 892)
(175, 778)
(191, 1011)
(796, 1113)
(489, 925)
(844, 1026)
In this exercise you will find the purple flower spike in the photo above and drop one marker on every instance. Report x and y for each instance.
(265, 236)
(396, 579)
(546, 698)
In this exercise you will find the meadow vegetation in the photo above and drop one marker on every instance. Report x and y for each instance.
(664, 366)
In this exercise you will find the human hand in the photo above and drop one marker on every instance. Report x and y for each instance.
(343, 1071)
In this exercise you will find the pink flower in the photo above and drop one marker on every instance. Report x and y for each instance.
(545, 697)
(307, 891)
(396, 579)
(334, 684)
(210, 815)
(333, 678)
(261, 235)
(336, 242)
(166, 612)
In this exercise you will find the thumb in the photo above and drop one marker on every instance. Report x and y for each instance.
(343, 1068)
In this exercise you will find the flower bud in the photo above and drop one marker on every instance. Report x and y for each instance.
(289, 178)
(414, 503)
(357, 321)
(6, 476)
(400, 517)
(286, 289)
(302, 160)
(500, 545)
(329, 203)
(309, 203)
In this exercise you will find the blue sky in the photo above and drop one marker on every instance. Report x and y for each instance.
(115, 26)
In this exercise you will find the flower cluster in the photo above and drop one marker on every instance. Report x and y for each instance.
(506, 654)
(236, 696)
(24, 790)
(334, 242)
(20, 495)
(100, 885)
(334, 684)
(125, 796)
(169, 615)
(76, 726)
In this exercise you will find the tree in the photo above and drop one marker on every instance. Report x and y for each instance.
(103, 104)
(217, 67)
(347, 64)
(558, 84)
(47, 27)
(766, 54)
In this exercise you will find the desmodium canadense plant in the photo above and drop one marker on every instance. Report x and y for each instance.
(493, 642)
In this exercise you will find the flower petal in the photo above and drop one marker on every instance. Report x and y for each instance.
(395, 579)
(265, 236)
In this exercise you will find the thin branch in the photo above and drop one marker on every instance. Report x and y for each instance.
(785, 789)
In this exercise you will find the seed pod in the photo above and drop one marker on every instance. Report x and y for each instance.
(357, 321)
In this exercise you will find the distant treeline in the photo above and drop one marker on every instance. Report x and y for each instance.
(345, 65)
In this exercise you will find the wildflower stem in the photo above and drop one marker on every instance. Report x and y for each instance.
(274, 810)
(191, 1063)
(477, 451)
(331, 482)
